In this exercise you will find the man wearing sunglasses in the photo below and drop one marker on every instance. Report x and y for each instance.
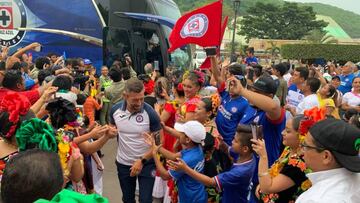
(331, 150)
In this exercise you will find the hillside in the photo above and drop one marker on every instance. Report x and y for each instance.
(349, 21)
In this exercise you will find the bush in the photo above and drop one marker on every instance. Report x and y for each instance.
(325, 51)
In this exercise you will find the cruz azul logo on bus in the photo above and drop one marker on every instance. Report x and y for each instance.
(196, 26)
(12, 15)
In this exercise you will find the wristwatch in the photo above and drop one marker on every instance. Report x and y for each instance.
(143, 160)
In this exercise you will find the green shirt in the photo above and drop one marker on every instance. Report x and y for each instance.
(67, 196)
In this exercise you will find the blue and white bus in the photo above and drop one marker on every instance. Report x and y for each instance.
(141, 28)
(101, 30)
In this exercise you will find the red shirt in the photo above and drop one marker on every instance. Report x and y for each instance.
(170, 140)
(32, 95)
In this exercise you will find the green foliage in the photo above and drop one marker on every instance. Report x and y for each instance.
(288, 21)
(325, 51)
(349, 21)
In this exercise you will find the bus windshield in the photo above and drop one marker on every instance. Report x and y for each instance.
(167, 9)
(180, 57)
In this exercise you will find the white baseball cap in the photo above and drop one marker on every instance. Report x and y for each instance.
(193, 129)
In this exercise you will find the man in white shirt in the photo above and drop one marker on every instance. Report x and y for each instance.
(311, 99)
(132, 118)
(331, 150)
(295, 94)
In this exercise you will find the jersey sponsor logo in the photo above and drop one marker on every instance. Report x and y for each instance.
(12, 15)
(224, 112)
(139, 118)
(196, 26)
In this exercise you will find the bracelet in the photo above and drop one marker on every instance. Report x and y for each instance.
(263, 174)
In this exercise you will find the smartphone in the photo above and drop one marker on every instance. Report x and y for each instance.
(257, 131)
(210, 51)
(156, 65)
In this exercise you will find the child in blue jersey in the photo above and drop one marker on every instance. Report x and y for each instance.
(235, 183)
(190, 135)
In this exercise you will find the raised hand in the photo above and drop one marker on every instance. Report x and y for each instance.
(259, 147)
(112, 131)
(98, 131)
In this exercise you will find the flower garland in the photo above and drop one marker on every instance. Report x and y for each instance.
(215, 102)
(64, 139)
(294, 160)
(311, 116)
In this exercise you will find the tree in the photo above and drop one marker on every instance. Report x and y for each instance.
(289, 21)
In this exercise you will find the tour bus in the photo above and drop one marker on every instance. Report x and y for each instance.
(72, 28)
(141, 28)
(100, 30)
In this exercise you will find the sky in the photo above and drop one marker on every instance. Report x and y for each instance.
(350, 5)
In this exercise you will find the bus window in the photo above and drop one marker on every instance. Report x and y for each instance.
(117, 44)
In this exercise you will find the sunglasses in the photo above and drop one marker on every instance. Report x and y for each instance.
(306, 147)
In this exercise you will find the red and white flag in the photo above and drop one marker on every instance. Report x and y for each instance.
(201, 26)
(207, 63)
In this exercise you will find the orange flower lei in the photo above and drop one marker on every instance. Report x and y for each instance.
(216, 101)
(287, 159)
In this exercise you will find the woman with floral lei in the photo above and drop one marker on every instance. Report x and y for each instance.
(63, 118)
(286, 179)
(191, 84)
(216, 161)
(14, 108)
(36, 133)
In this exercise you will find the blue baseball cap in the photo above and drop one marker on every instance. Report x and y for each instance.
(87, 62)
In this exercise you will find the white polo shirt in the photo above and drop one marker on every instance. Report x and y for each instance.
(131, 126)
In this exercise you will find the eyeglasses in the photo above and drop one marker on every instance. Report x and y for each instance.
(306, 147)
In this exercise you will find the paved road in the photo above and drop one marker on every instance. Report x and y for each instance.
(110, 180)
(111, 186)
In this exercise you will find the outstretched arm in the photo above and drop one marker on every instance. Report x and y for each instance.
(265, 103)
(181, 165)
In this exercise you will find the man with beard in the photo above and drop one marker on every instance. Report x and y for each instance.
(133, 118)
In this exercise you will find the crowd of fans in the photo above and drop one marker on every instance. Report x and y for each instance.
(238, 132)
